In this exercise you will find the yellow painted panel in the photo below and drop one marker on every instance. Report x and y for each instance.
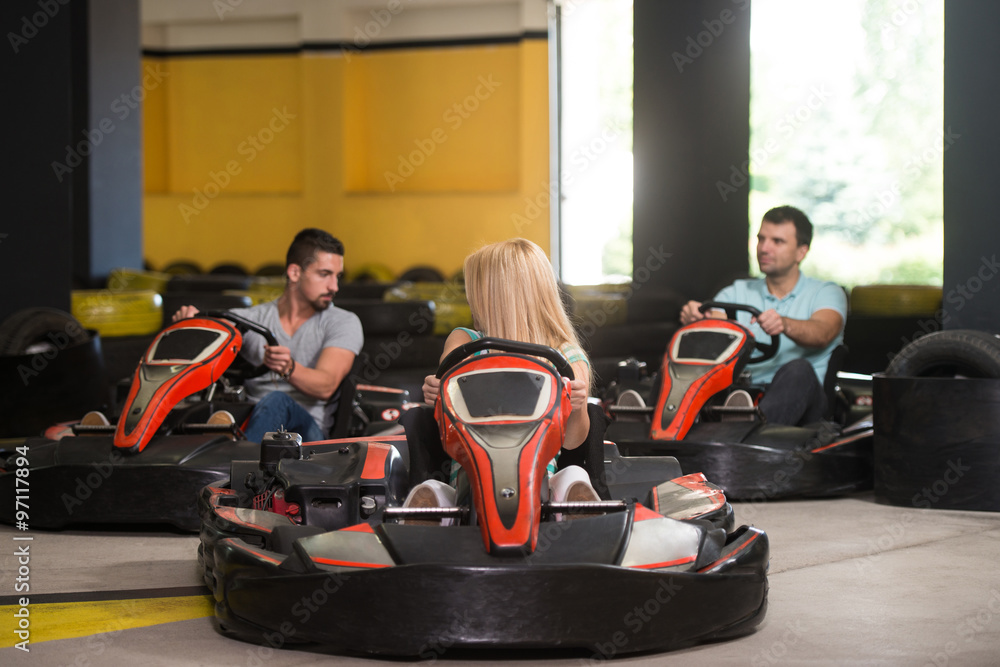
(65, 620)
(401, 229)
(432, 120)
(235, 124)
(154, 127)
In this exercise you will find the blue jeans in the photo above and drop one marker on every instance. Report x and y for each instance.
(279, 410)
(795, 397)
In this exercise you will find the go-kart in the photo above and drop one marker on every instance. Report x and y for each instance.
(682, 412)
(149, 466)
(310, 543)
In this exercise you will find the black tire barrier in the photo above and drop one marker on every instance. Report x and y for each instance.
(372, 273)
(59, 383)
(30, 326)
(646, 341)
(208, 283)
(228, 269)
(364, 290)
(270, 271)
(385, 318)
(964, 352)
(182, 268)
(422, 274)
(937, 442)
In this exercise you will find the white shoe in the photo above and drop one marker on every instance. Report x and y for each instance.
(432, 493)
(571, 485)
(630, 398)
(94, 418)
(739, 398)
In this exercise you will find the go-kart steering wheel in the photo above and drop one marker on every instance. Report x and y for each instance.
(241, 369)
(531, 349)
(766, 350)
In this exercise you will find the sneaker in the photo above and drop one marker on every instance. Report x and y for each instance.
(94, 418)
(222, 417)
(633, 405)
(431, 493)
(572, 485)
(630, 398)
(740, 398)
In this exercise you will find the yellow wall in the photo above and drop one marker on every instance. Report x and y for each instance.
(243, 151)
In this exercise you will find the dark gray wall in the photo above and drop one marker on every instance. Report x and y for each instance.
(73, 192)
(692, 129)
(113, 226)
(971, 170)
(40, 115)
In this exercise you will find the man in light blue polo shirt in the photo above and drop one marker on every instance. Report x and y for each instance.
(807, 314)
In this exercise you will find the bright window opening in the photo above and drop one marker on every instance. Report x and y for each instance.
(596, 152)
(847, 124)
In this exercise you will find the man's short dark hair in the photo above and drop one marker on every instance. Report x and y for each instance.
(803, 228)
(307, 243)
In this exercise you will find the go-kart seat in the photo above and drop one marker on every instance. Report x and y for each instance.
(345, 395)
(428, 460)
(837, 358)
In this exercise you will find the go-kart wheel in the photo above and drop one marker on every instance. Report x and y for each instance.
(241, 369)
(531, 349)
(766, 350)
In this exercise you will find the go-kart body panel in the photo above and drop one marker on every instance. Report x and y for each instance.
(183, 359)
(746, 456)
(702, 359)
(582, 582)
(438, 587)
(150, 467)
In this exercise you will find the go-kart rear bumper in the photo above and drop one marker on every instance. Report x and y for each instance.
(423, 608)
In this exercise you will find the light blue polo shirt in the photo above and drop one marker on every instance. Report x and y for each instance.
(808, 296)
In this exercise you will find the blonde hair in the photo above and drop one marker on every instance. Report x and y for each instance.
(513, 294)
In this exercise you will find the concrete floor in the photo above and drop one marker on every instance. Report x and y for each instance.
(851, 582)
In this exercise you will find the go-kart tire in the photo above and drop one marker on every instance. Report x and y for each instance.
(228, 269)
(422, 274)
(182, 268)
(270, 271)
(372, 273)
(208, 283)
(963, 352)
(31, 325)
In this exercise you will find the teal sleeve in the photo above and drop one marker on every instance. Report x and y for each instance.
(831, 295)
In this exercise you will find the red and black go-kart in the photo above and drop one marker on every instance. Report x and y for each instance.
(310, 545)
(150, 466)
(681, 412)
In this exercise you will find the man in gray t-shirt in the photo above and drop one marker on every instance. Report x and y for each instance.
(317, 342)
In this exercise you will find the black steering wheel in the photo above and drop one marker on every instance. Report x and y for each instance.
(766, 350)
(241, 369)
(502, 344)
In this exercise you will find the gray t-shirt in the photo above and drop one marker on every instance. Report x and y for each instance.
(333, 327)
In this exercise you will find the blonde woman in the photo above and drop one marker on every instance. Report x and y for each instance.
(513, 294)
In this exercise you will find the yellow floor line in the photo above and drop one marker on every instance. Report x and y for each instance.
(65, 620)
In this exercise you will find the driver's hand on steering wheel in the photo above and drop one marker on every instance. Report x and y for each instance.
(432, 389)
(277, 358)
(690, 312)
(184, 312)
(771, 322)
